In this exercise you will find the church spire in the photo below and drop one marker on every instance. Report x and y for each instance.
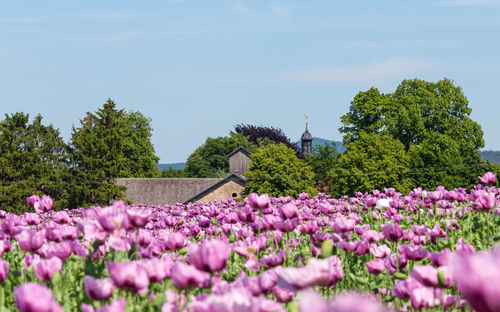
(306, 139)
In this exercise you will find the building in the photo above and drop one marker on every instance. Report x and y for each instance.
(306, 140)
(168, 191)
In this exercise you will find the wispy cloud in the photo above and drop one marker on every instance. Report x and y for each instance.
(376, 72)
(467, 3)
(19, 20)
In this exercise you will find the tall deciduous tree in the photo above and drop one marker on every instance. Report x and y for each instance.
(372, 161)
(33, 160)
(111, 144)
(432, 121)
(323, 161)
(276, 170)
(210, 159)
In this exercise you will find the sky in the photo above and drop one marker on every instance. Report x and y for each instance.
(197, 68)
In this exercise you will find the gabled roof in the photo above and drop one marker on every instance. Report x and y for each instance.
(240, 149)
(238, 178)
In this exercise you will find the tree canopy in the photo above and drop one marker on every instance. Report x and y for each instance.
(33, 160)
(210, 159)
(431, 120)
(276, 170)
(260, 134)
(372, 161)
(111, 144)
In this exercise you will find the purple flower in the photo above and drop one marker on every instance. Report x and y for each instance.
(270, 261)
(61, 217)
(209, 256)
(488, 178)
(98, 289)
(33, 297)
(258, 202)
(32, 200)
(345, 302)
(325, 272)
(4, 270)
(380, 252)
(32, 218)
(158, 269)
(413, 252)
(287, 225)
(44, 204)
(175, 241)
(375, 266)
(185, 276)
(45, 269)
(117, 305)
(425, 297)
(288, 211)
(392, 232)
(477, 277)
(343, 224)
(138, 217)
(129, 275)
(30, 240)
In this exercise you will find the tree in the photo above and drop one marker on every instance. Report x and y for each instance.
(111, 144)
(210, 159)
(372, 161)
(323, 161)
(276, 170)
(261, 134)
(33, 160)
(432, 121)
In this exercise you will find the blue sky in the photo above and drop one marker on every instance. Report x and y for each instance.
(197, 68)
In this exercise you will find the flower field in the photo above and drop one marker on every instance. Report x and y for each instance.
(381, 251)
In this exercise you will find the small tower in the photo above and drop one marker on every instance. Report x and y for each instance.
(306, 140)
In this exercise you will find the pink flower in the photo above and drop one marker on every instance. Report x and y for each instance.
(375, 266)
(158, 269)
(345, 302)
(273, 260)
(488, 178)
(258, 202)
(209, 256)
(98, 289)
(380, 252)
(117, 305)
(425, 297)
(4, 270)
(33, 297)
(30, 240)
(413, 252)
(44, 204)
(175, 241)
(32, 200)
(325, 272)
(129, 275)
(477, 277)
(138, 217)
(288, 211)
(61, 217)
(392, 232)
(45, 269)
(185, 276)
(343, 224)
(32, 218)
(403, 288)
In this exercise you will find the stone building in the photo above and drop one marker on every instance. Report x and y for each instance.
(168, 191)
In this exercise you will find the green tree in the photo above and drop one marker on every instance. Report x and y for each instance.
(110, 144)
(33, 160)
(372, 161)
(210, 159)
(276, 170)
(323, 161)
(432, 121)
(172, 173)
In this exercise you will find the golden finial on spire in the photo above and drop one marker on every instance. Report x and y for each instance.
(306, 116)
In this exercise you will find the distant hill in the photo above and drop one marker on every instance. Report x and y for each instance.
(493, 156)
(175, 166)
